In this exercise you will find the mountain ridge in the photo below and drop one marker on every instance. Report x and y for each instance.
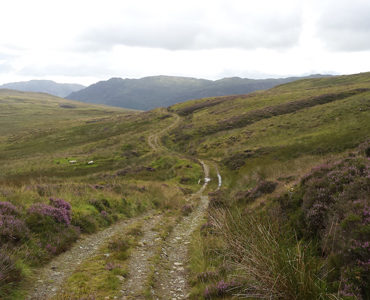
(44, 86)
(161, 91)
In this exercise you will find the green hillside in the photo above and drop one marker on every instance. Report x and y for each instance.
(308, 117)
(266, 143)
(45, 146)
(290, 220)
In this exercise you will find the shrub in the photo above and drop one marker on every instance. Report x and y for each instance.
(236, 161)
(12, 229)
(58, 238)
(60, 203)
(330, 206)
(7, 208)
(86, 222)
(40, 211)
(262, 187)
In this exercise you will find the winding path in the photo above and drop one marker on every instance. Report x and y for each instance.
(154, 139)
(171, 276)
(171, 280)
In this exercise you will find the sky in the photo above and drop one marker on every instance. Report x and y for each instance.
(84, 41)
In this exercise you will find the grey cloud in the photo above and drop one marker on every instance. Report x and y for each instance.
(65, 70)
(7, 55)
(345, 26)
(247, 33)
(5, 67)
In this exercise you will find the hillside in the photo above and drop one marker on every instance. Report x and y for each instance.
(258, 195)
(295, 166)
(301, 114)
(162, 91)
(44, 86)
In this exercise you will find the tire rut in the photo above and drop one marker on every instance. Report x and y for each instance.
(139, 261)
(50, 278)
(171, 280)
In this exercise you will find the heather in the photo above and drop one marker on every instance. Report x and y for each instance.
(263, 187)
(331, 207)
(61, 214)
(307, 241)
(32, 236)
(12, 229)
(7, 208)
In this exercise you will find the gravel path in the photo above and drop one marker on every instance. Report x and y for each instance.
(139, 261)
(171, 276)
(49, 279)
(154, 139)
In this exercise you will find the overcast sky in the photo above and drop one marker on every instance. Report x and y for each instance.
(86, 41)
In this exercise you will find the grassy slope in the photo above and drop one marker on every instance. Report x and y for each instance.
(315, 131)
(277, 136)
(40, 134)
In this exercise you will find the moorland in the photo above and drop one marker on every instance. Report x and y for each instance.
(263, 195)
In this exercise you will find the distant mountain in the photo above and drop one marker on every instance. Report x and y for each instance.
(44, 86)
(161, 91)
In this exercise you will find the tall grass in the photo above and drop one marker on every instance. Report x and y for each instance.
(269, 264)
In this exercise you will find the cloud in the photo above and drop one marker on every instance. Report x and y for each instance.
(345, 25)
(5, 56)
(66, 69)
(213, 26)
(207, 38)
(5, 66)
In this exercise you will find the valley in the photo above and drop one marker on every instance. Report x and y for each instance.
(263, 195)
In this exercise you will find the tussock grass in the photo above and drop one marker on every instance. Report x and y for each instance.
(268, 264)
